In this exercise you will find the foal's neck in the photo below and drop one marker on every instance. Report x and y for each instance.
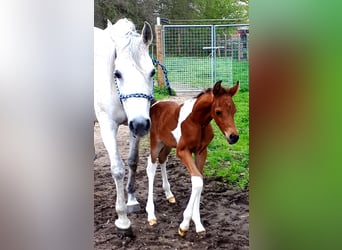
(201, 112)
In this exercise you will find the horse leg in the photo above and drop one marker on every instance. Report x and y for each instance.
(133, 157)
(192, 209)
(109, 131)
(151, 172)
(196, 217)
(166, 185)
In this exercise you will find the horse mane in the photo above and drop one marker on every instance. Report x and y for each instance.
(128, 39)
(208, 90)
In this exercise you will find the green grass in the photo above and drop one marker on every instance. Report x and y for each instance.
(162, 92)
(231, 162)
(195, 72)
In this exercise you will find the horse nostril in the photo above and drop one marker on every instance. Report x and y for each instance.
(140, 127)
(233, 138)
(131, 126)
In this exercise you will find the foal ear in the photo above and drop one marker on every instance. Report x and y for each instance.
(147, 34)
(217, 87)
(233, 90)
(109, 23)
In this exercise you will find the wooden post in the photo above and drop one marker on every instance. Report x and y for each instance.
(159, 44)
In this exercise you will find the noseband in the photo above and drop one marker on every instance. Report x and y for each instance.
(134, 95)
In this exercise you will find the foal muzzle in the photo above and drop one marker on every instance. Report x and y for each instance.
(232, 138)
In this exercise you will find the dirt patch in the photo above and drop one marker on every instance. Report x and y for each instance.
(224, 211)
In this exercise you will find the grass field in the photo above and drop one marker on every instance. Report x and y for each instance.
(230, 163)
(196, 72)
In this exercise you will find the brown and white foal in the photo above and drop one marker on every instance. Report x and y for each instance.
(187, 128)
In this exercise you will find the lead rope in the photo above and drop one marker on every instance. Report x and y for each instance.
(156, 63)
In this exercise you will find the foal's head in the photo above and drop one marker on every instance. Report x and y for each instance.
(223, 110)
(133, 72)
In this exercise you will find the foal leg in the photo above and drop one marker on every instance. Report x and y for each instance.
(151, 172)
(166, 185)
(192, 209)
(109, 131)
(196, 216)
(132, 203)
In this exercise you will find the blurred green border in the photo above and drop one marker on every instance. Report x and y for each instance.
(295, 189)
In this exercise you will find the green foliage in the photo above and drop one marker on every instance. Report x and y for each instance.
(162, 92)
(222, 9)
(148, 10)
(231, 162)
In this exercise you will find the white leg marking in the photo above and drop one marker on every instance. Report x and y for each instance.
(151, 172)
(196, 217)
(197, 185)
(166, 184)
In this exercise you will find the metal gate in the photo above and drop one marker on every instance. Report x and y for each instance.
(196, 56)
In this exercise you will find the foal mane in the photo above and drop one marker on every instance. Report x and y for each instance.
(208, 90)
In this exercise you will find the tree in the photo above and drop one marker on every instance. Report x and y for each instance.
(138, 11)
(222, 9)
(147, 10)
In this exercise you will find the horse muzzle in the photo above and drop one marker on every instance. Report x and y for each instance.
(232, 138)
(140, 126)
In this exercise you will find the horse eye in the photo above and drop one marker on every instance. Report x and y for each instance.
(153, 72)
(218, 112)
(117, 74)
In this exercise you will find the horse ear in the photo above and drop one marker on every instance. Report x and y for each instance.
(109, 23)
(147, 34)
(233, 90)
(217, 87)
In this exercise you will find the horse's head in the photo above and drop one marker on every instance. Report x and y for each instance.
(223, 110)
(133, 72)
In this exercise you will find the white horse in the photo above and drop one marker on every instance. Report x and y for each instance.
(123, 89)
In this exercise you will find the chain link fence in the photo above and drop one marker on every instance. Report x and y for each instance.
(196, 56)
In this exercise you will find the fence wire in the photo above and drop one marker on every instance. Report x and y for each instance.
(196, 56)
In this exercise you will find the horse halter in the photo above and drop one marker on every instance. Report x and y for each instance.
(134, 95)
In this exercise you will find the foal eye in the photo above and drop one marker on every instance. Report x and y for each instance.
(153, 72)
(218, 112)
(117, 74)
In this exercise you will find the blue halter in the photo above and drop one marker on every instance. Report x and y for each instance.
(135, 95)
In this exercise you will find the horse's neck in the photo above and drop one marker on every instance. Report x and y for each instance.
(201, 112)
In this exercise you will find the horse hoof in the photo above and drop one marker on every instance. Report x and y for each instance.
(172, 200)
(133, 208)
(201, 234)
(152, 222)
(181, 232)
(124, 232)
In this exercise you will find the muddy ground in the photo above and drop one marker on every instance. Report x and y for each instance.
(224, 210)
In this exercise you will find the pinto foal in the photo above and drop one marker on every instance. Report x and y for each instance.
(187, 128)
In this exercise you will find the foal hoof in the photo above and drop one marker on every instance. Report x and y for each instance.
(201, 234)
(133, 208)
(181, 232)
(152, 222)
(124, 232)
(172, 200)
